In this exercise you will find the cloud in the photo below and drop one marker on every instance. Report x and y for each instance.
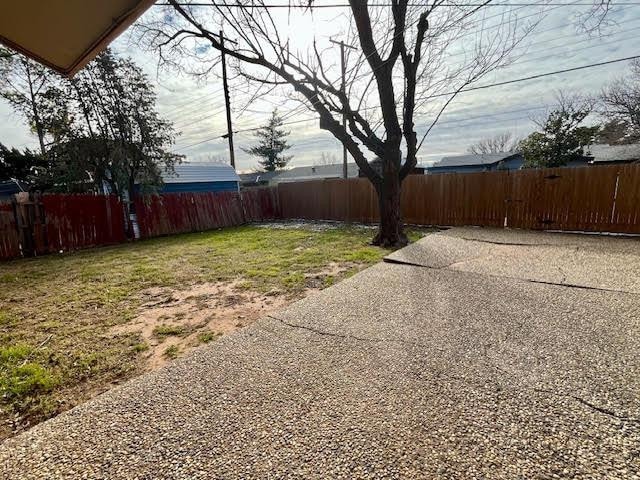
(197, 107)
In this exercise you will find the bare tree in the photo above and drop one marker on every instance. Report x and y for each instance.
(326, 158)
(27, 85)
(597, 19)
(409, 56)
(569, 104)
(621, 102)
(503, 142)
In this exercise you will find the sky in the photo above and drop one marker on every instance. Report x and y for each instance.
(196, 105)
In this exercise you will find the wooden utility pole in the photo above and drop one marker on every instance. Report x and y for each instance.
(227, 102)
(343, 89)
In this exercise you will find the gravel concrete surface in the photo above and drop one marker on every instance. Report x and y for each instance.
(590, 261)
(398, 372)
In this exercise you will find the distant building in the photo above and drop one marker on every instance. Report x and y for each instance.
(257, 179)
(614, 154)
(319, 172)
(8, 188)
(478, 163)
(594, 155)
(376, 164)
(201, 177)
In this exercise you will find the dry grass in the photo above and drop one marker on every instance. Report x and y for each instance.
(68, 323)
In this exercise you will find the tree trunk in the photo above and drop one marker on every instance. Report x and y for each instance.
(391, 230)
(34, 107)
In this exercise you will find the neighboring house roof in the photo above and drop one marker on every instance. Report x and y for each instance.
(472, 160)
(65, 35)
(614, 153)
(193, 172)
(9, 187)
(255, 177)
(298, 174)
(376, 165)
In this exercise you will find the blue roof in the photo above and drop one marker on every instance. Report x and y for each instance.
(194, 172)
(9, 187)
(473, 160)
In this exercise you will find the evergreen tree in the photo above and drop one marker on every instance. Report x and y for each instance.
(271, 145)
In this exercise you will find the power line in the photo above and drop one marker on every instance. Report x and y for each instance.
(479, 87)
(407, 27)
(413, 4)
(533, 77)
(521, 5)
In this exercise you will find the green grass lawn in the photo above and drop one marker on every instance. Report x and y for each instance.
(57, 313)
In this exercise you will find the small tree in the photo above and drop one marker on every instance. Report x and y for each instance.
(503, 142)
(27, 166)
(561, 138)
(272, 143)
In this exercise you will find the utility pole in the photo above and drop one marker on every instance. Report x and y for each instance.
(227, 102)
(343, 89)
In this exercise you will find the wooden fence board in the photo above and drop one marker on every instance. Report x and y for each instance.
(594, 198)
(80, 221)
(625, 216)
(187, 212)
(260, 204)
(9, 237)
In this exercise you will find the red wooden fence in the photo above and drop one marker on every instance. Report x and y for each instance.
(260, 204)
(54, 223)
(9, 236)
(187, 212)
(80, 221)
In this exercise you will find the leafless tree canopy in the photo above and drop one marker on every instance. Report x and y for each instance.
(596, 20)
(410, 60)
(407, 56)
(622, 104)
(503, 142)
(567, 103)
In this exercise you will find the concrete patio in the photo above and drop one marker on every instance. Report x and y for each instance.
(474, 353)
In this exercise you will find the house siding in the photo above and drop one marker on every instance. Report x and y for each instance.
(222, 186)
(460, 169)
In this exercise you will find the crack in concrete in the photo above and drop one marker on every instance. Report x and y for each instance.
(354, 337)
(398, 261)
(530, 280)
(324, 333)
(596, 408)
(513, 244)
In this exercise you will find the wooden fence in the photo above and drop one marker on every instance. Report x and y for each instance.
(195, 212)
(52, 223)
(9, 233)
(594, 199)
(187, 212)
(260, 204)
(71, 222)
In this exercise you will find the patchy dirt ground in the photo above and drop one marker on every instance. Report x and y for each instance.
(177, 320)
(172, 321)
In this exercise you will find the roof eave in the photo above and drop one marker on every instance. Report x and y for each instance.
(118, 26)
